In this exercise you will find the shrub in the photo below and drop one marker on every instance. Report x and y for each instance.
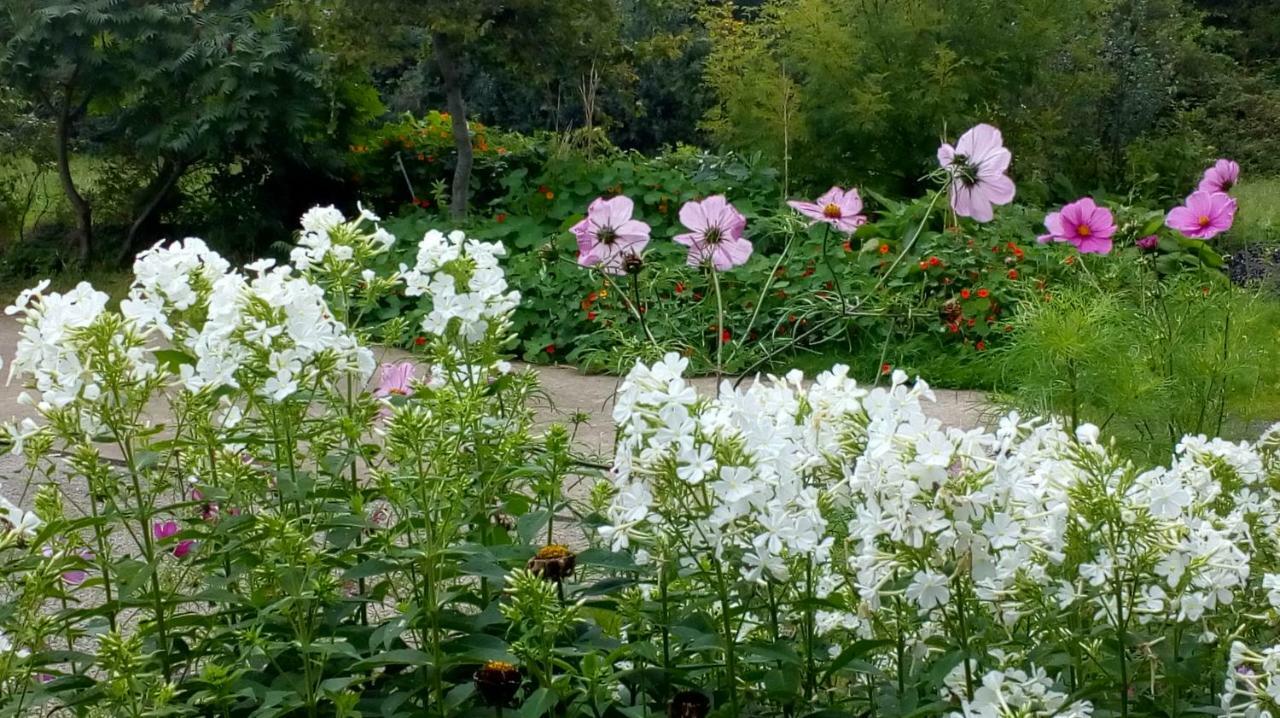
(1151, 362)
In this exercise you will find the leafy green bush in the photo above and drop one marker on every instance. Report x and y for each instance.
(1149, 361)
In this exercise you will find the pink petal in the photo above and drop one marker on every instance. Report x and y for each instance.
(961, 199)
(946, 155)
(851, 203)
(808, 209)
(730, 254)
(850, 224)
(618, 211)
(694, 216)
(1094, 245)
(688, 239)
(1183, 219)
(998, 189)
(996, 162)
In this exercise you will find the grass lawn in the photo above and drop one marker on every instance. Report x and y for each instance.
(1258, 220)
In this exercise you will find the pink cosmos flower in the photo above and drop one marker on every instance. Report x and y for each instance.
(1203, 215)
(838, 208)
(1082, 223)
(977, 165)
(715, 234)
(1148, 242)
(395, 379)
(1221, 177)
(608, 234)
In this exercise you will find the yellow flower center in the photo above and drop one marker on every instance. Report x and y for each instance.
(831, 211)
(1204, 220)
(499, 666)
(1084, 230)
(554, 550)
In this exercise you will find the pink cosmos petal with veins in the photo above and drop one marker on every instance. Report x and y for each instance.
(1203, 215)
(837, 207)
(1222, 176)
(986, 157)
(1081, 223)
(715, 235)
(609, 234)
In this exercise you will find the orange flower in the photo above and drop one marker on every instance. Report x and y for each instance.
(984, 293)
(884, 249)
(1013, 274)
(964, 294)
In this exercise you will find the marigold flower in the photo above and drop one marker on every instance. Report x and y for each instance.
(497, 682)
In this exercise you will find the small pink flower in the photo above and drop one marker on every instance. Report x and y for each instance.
(183, 548)
(1082, 223)
(395, 379)
(74, 577)
(1203, 215)
(715, 234)
(608, 234)
(977, 165)
(164, 529)
(838, 208)
(1148, 242)
(1221, 177)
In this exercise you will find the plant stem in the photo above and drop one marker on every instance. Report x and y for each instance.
(730, 653)
(639, 309)
(635, 311)
(835, 278)
(715, 284)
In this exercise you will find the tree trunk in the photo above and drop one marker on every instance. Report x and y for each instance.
(159, 187)
(448, 65)
(79, 205)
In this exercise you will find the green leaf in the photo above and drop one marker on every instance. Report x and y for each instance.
(539, 704)
(397, 657)
(619, 561)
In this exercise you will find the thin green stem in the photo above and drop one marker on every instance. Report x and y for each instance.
(715, 284)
